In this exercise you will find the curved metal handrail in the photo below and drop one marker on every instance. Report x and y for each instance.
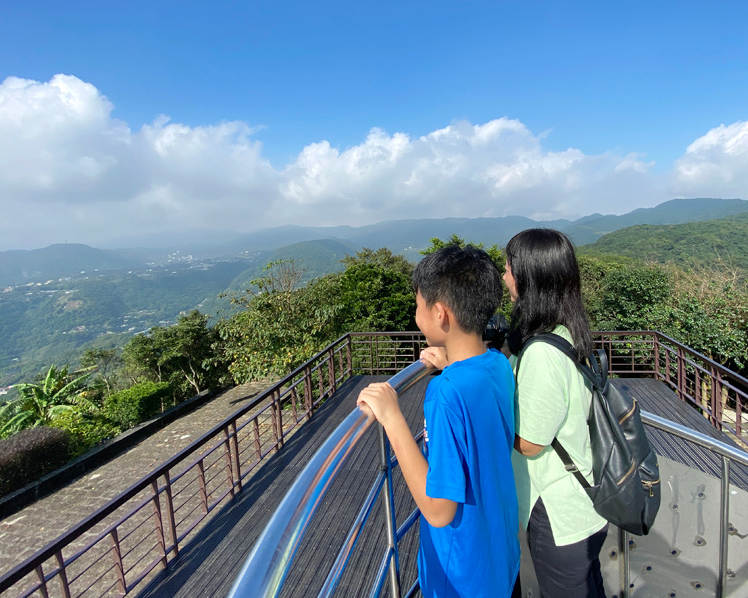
(267, 565)
(717, 446)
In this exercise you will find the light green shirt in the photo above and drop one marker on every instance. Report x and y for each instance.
(553, 400)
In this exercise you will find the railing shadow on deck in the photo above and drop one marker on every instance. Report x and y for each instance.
(140, 531)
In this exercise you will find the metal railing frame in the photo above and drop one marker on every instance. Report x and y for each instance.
(695, 378)
(289, 402)
(268, 564)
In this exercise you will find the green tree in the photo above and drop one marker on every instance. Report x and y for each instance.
(382, 257)
(187, 355)
(282, 326)
(636, 297)
(106, 363)
(279, 330)
(39, 403)
(496, 255)
(376, 291)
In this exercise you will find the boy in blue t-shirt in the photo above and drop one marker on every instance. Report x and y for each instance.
(462, 481)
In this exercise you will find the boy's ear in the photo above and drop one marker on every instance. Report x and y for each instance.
(442, 313)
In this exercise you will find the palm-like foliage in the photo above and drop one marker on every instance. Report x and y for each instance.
(40, 403)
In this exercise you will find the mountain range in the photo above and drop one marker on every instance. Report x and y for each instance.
(57, 300)
(401, 236)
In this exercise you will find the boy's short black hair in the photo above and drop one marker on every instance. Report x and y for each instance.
(465, 279)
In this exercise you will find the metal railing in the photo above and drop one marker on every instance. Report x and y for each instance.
(141, 531)
(728, 454)
(268, 564)
(717, 392)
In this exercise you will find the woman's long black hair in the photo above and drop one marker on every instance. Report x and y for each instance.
(549, 289)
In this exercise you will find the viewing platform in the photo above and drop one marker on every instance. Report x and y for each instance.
(186, 528)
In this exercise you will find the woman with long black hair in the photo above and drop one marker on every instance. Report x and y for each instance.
(564, 532)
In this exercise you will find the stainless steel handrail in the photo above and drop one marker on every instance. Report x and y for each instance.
(267, 565)
(728, 454)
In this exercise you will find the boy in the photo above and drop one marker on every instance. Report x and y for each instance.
(462, 482)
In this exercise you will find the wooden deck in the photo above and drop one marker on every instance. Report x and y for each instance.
(208, 566)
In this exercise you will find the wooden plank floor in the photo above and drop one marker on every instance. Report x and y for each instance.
(208, 565)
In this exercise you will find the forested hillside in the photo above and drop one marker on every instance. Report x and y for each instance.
(51, 321)
(696, 244)
(676, 211)
(43, 323)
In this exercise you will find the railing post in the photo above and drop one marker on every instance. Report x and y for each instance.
(320, 383)
(64, 586)
(389, 512)
(681, 374)
(738, 416)
(349, 354)
(724, 516)
(170, 513)
(258, 443)
(160, 537)
(227, 455)
(275, 418)
(331, 369)
(308, 402)
(235, 448)
(720, 390)
(42, 582)
(203, 487)
(656, 340)
(625, 565)
(294, 399)
(117, 556)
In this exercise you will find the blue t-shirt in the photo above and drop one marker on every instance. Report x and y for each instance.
(468, 441)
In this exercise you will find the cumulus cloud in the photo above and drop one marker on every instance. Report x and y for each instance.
(715, 165)
(493, 169)
(71, 171)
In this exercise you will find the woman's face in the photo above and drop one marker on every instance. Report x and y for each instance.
(511, 284)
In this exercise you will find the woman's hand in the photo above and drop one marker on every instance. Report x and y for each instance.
(435, 356)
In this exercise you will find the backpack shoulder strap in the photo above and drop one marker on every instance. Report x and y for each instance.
(569, 464)
(567, 349)
(593, 371)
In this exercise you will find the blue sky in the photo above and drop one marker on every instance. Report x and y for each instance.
(170, 114)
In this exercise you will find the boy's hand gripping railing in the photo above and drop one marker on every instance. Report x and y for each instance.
(267, 565)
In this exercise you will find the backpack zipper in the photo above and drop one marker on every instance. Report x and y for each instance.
(626, 475)
(628, 414)
(648, 486)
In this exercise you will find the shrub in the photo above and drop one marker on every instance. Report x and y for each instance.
(28, 455)
(86, 430)
(138, 403)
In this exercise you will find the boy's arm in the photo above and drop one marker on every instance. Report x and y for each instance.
(380, 401)
(526, 448)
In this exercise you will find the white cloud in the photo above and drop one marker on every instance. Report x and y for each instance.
(495, 169)
(70, 171)
(715, 165)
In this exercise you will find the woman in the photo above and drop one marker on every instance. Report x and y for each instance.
(564, 532)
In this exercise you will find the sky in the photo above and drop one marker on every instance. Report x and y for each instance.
(132, 120)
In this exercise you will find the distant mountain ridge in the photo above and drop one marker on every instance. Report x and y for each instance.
(60, 261)
(400, 236)
(676, 211)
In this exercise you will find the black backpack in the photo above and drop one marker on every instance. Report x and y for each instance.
(626, 488)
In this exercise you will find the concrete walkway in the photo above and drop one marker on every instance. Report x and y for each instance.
(25, 532)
